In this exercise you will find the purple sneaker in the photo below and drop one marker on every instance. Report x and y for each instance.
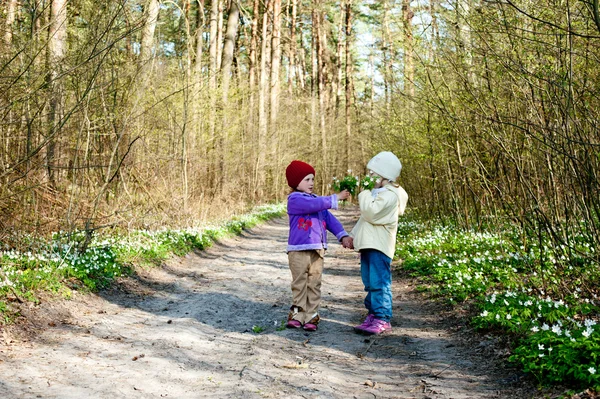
(377, 327)
(293, 324)
(312, 324)
(365, 324)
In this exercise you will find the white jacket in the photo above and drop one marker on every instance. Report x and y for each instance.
(378, 223)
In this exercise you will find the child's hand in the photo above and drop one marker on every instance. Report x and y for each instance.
(345, 194)
(348, 242)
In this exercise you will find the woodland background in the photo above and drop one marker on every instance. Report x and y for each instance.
(162, 113)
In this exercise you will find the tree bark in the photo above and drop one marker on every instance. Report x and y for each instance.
(336, 86)
(387, 55)
(314, 85)
(11, 10)
(275, 62)
(409, 78)
(253, 59)
(226, 68)
(262, 91)
(147, 41)
(213, 44)
(220, 34)
(293, 68)
(321, 41)
(229, 47)
(56, 51)
(199, 40)
(349, 94)
(212, 89)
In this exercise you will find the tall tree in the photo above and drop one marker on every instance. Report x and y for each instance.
(253, 59)
(409, 72)
(262, 94)
(349, 89)
(229, 47)
(321, 78)
(275, 63)
(293, 69)
(147, 42)
(213, 54)
(11, 11)
(56, 52)
(199, 38)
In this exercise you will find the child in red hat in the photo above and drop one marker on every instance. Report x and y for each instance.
(309, 221)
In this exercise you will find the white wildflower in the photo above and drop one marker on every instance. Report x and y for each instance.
(586, 333)
(556, 330)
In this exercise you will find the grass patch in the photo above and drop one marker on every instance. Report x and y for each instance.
(76, 261)
(544, 301)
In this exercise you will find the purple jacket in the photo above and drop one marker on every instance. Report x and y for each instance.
(310, 220)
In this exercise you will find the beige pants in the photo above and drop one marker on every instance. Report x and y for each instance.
(307, 269)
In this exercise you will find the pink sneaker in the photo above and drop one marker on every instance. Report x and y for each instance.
(312, 324)
(293, 324)
(377, 327)
(365, 324)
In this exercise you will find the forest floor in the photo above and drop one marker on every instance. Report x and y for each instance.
(192, 329)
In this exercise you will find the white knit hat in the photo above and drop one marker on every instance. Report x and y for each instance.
(386, 165)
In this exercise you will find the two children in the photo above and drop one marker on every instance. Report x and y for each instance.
(374, 236)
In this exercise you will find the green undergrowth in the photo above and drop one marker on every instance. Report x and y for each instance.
(75, 260)
(544, 301)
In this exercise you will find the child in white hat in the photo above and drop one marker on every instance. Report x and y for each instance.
(375, 238)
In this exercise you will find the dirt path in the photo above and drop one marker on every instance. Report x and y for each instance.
(186, 331)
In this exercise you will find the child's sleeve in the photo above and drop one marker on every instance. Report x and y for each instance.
(334, 225)
(376, 210)
(299, 204)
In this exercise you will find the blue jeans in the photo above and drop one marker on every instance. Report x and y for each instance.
(376, 273)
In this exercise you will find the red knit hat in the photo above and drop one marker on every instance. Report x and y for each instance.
(296, 171)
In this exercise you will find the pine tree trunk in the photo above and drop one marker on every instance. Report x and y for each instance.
(229, 47)
(409, 77)
(322, 97)
(56, 51)
(336, 87)
(293, 70)
(220, 34)
(349, 94)
(212, 86)
(387, 55)
(213, 44)
(11, 10)
(147, 41)
(314, 85)
(262, 91)
(252, 61)
(275, 89)
(199, 40)
(226, 70)
(275, 63)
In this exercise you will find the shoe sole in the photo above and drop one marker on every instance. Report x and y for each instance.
(365, 332)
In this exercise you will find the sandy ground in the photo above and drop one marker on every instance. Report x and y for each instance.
(185, 330)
